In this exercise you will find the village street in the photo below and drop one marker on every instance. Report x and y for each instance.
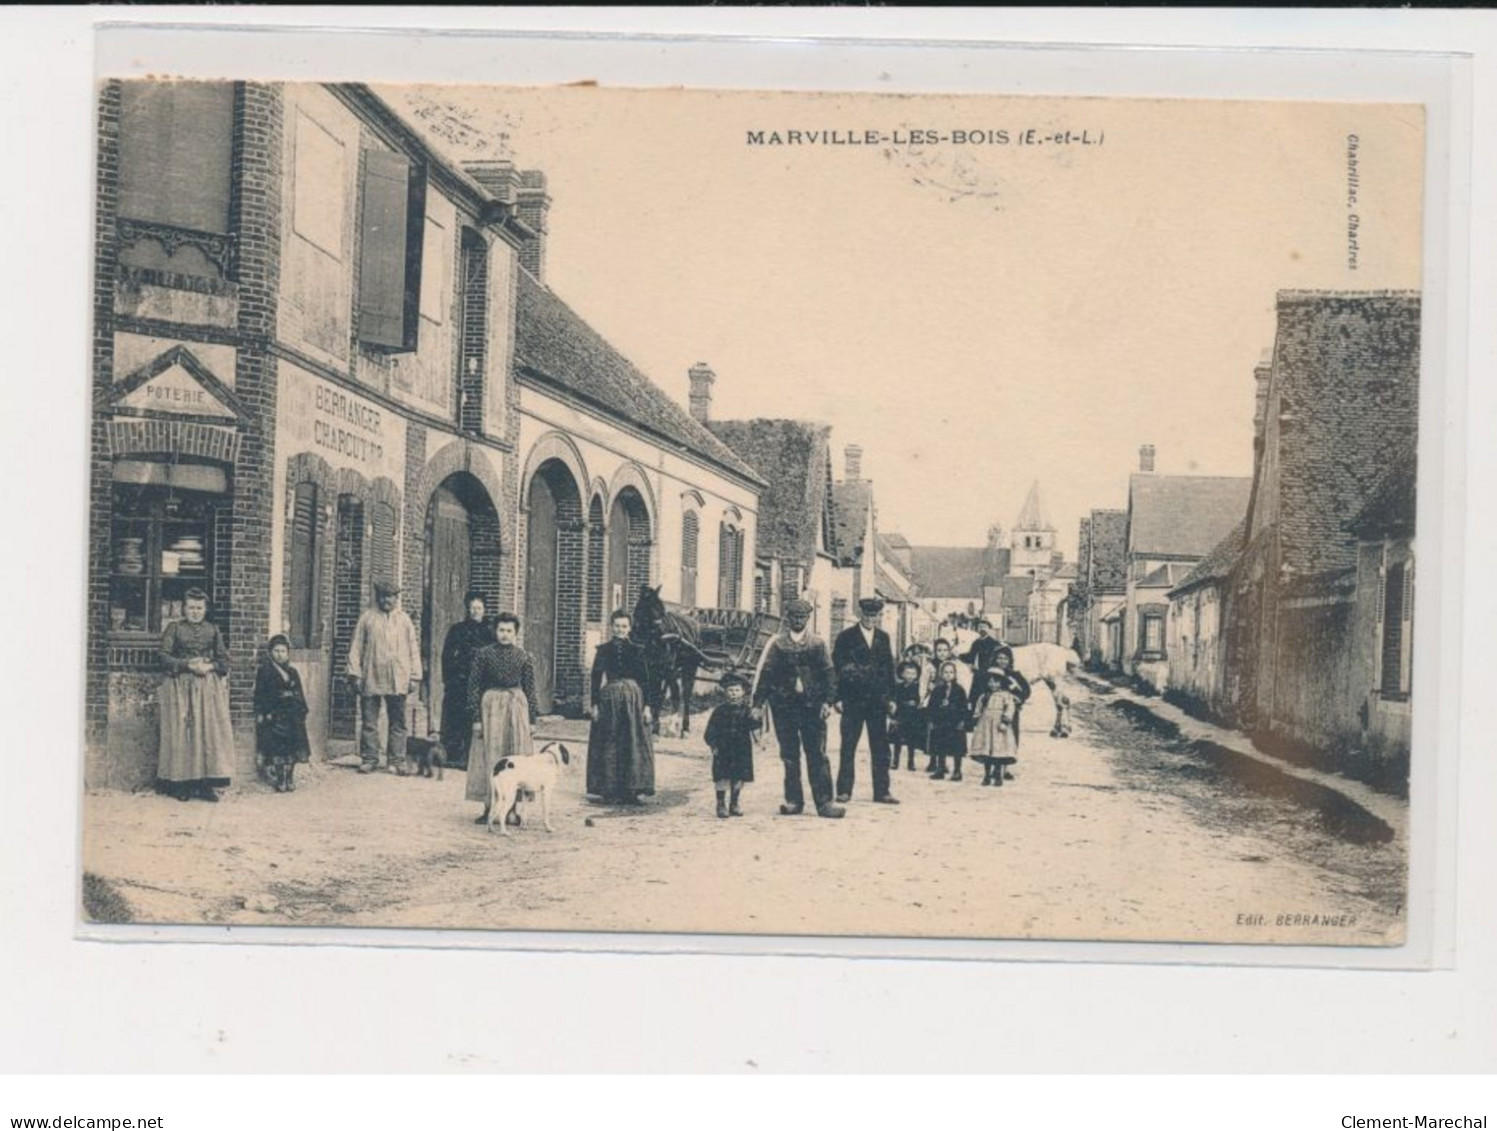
(1114, 833)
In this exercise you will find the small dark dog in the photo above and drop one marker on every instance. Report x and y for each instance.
(425, 753)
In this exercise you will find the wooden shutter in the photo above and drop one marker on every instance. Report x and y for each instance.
(1406, 631)
(393, 234)
(690, 535)
(176, 141)
(1393, 626)
(382, 542)
(303, 595)
(724, 563)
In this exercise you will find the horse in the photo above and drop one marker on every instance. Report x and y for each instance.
(671, 640)
(1050, 664)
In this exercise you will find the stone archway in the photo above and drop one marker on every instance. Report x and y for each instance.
(462, 553)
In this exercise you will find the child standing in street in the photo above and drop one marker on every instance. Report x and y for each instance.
(946, 716)
(993, 715)
(730, 737)
(908, 729)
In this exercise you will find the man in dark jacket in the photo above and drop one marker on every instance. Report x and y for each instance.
(982, 655)
(796, 680)
(864, 661)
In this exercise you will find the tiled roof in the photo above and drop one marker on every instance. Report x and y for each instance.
(1219, 562)
(1109, 551)
(1343, 408)
(1165, 576)
(887, 587)
(555, 347)
(792, 457)
(1390, 507)
(851, 501)
(1182, 515)
(895, 541)
(952, 571)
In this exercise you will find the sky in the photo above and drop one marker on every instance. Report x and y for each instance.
(976, 316)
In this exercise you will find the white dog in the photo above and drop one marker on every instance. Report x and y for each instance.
(523, 775)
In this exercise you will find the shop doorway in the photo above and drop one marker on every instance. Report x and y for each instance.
(462, 554)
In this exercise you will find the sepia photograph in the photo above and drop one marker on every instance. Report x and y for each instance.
(682, 511)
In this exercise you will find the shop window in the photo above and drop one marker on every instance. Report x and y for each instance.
(303, 600)
(393, 236)
(161, 545)
(690, 535)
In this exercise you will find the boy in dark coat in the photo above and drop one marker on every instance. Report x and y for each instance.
(280, 715)
(730, 737)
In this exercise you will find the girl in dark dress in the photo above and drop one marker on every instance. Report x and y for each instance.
(462, 643)
(946, 715)
(730, 737)
(620, 758)
(908, 727)
(1017, 686)
(280, 715)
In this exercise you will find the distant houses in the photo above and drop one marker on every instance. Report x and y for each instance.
(1283, 603)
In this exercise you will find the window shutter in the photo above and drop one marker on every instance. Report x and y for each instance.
(1406, 632)
(1393, 624)
(393, 235)
(176, 143)
(690, 533)
(1377, 632)
(303, 595)
(382, 542)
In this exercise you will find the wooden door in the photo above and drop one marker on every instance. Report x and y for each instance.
(450, 546)
(616, 595)
(348, 603)
(540, 590)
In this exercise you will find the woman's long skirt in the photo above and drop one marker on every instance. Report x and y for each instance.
(457, 724)
(197, 739)
(506, 730)
(620, 759)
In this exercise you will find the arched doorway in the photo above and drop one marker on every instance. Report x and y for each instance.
(462, 553)
(553, 585)
(628, 548)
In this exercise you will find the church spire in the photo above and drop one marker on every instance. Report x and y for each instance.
(1032, 516)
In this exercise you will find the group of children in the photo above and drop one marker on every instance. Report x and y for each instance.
(930, 711)
(935, 715)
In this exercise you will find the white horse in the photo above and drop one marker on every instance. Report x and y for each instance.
(1053, 665)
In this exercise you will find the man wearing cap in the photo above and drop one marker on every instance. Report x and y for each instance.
(796, 680)
(384, 663)
(864, 662)
(982, 655)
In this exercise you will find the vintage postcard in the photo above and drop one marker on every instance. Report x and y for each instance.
(611, 510)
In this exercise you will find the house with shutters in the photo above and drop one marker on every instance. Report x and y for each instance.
(325, 354)
(796, 547)
(1173, 522)
(1320, 601)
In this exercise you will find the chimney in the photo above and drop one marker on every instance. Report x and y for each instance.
(498, 176)
(701, 377)
(854, 465)
(1261, 374)
(1146, 459)
(532, 202)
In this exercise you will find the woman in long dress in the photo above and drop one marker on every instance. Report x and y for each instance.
(280, 715)
(461, 645)
(197, 739)
(620, 758)
(502, 705)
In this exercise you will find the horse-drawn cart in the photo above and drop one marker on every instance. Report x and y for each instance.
(733, 639)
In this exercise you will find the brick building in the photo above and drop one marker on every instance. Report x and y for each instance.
(1320, 604)
(323, 356)
(1100, 587)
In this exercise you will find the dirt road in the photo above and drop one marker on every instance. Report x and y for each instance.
(1110, 834)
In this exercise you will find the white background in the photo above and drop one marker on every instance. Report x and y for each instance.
(75, 1006)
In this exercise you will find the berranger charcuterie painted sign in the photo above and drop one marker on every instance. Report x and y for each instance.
(946, 517)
